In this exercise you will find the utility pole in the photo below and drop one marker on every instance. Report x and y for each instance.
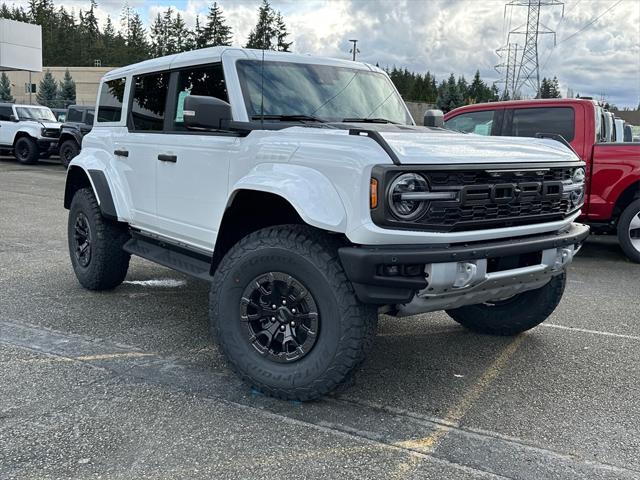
(528, 68)
(354, 50)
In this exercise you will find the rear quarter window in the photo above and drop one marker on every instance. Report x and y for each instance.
(110, 101)
(527, 122)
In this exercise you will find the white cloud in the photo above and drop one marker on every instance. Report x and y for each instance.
(444, 36)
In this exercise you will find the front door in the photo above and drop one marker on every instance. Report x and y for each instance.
(193, 167)
(7, 127)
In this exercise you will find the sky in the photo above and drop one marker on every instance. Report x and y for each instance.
(596, 52)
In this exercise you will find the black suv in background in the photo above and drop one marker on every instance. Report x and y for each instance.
(79, 122)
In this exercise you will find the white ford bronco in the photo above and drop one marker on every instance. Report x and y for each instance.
(301, 188)
(31, 131)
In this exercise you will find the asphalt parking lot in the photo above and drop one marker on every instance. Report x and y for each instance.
(128, 384)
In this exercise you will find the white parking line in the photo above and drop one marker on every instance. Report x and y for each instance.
(594, 332)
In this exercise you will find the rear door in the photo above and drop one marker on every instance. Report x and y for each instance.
(7, 127)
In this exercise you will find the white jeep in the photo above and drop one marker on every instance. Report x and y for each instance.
(301, 188)
(31, 131)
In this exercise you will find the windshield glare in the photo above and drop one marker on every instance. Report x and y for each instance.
(323, 91)
(35, 113)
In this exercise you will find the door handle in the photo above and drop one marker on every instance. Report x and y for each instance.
(121, 153)
(163, 157)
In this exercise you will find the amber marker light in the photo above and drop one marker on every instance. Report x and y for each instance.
(373, 201)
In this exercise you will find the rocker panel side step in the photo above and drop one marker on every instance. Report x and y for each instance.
(178, 258)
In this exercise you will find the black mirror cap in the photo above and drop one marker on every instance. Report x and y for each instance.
(14, 118)
(434, 118)
(208, 113)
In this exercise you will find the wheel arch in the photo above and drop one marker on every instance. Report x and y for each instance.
(78, 178)
(20, 134)
(628, 195)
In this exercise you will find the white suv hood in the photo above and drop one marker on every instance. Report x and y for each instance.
(51, 124)
(451, 148)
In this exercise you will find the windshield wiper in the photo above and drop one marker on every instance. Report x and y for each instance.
(302, 118)
(370, 120)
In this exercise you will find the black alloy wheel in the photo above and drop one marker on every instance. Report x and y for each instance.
(281, 317)
(82, 237)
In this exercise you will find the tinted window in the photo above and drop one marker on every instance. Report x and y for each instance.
(5, 114)
(110, 102)
(89, 119)
(74, 115)
(527, 122)
(479, 123)
(149, 98)
(206, 81)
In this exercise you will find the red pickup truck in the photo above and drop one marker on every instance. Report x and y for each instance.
(612, 203)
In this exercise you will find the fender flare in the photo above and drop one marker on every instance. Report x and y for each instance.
(67, 135)
(77, 177)
(308, 191)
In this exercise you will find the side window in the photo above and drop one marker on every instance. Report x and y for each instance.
(110, 101)
(5, 114)
(74, 115)
(479, 123)
(527, 122)
(207, 81)
(149, 99)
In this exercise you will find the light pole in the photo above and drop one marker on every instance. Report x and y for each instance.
(354, 50)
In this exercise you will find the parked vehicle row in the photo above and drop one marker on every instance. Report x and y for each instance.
(612, 167)
(301, 188)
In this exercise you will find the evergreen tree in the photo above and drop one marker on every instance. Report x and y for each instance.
(554, 88)
(5, 88)
(67, 91)
(158, 36)
(449, 96)
(261, 35)
(281, 34)
(216, 31)
(136, 41)
(47, 91)
(179, 34)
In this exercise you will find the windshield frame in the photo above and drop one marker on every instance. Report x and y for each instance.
(246, 98)
(19, 108)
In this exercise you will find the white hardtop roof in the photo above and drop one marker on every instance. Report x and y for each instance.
(214, 54)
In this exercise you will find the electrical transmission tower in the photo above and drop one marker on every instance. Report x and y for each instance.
(528, 69)
(509, 56)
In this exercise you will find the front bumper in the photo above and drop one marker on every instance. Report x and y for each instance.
(47, 144)
(455, 270)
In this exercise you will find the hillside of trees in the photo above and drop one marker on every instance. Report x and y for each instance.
(76, 39)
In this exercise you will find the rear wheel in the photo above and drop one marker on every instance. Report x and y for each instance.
(629, 231)
(68, 151)
(285, 315)
(513, 315)
(26, 150)
(95, 244)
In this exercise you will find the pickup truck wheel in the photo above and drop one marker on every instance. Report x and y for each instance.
(68, 150)
(285, 315)
(95, 244)
(515, 314)
(26, 150)
(629, 231)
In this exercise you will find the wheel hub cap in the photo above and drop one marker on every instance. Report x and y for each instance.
(82, 237)
(281, 317)
(634, 231)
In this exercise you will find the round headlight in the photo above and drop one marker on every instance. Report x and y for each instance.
(578, 175)
(405, 208)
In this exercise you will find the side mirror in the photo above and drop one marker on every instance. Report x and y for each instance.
(14, 118)
(434, 118)
(206, 113)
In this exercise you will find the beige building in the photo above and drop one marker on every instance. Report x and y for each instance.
(86, 78)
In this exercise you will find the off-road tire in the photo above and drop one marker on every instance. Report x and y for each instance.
(26, 151)
(628, 215)
(68, 151)
(108, 263)
(514, 315)
(346, 326)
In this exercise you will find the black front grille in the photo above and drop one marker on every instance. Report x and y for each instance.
(51, 132)
(486, 198)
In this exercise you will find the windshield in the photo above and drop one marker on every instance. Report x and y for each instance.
(322, 91)
(35, 113)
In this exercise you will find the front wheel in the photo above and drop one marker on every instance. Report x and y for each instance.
(285, 315)
(26, 150)
(513, 315)
(68, 151)
(629, 231)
